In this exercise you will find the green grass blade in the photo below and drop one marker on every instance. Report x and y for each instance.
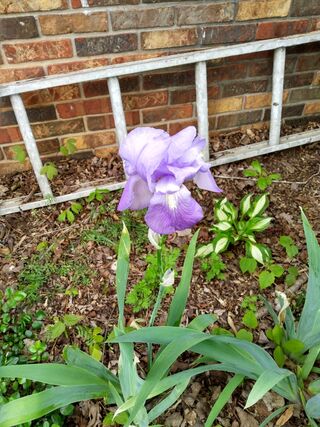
(179, 301)
(75, 357)
(52, 373)
(273, 415)
(37, 405)
(223, 399)
(122, 271)
(168, 401)
(264, 383)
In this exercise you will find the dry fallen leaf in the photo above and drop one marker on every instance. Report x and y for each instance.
(285, 416)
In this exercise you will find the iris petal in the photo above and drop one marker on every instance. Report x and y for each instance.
(181, 142)
(168, 213)
(136, 194)
(205, 181)
(132, 147)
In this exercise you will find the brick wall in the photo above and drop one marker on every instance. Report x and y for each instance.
(45, 37)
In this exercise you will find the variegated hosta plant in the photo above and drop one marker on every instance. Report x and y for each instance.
(297, 378)
(233, 225)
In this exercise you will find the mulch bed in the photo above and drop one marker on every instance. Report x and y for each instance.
(21, 233)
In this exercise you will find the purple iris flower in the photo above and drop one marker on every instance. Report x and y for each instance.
(157, 165)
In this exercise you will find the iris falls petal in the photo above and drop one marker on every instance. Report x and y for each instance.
(168, 213)
(136, 194)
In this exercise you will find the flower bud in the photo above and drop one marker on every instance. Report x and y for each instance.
(154, 238)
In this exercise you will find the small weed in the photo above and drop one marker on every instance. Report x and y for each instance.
(61, 326)
(70, 213)
(144, 292)
(19, 153)
(69, 147)
(264, 179)
(288, 244)
(50, 170)
(213, 266)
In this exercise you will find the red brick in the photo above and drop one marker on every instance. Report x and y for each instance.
(169, 38)
(237, 71)
(47, 96)
(92, 3)
(304, 94)
(100, 87)
(71, 109)
(243, 87)
(296, 80)
(206, 13)
(68, 67)
(238, 119)
(37, 51)
(73, 23)
(264, 68)
(163, 80)
(9, 74)
(269, 30)
(142, 18)
(10, 134)
(310, 62)
(93, 140)
(178, 126)
(145, 100)
(184, 96)
(62, 127)
(18, 6)
(107, 121)
(136, 57)
(257, 9)
(305, 7)
(227, 34)
(24, 27)
(97, 106)
(155, 115)
(89, 46)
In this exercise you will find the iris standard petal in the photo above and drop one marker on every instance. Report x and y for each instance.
(181, 142)
(151, 158)
(205, 181)
(132, 147)
(168, 213)
(136, 194)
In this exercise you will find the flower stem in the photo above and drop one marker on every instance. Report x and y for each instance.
(160, 295)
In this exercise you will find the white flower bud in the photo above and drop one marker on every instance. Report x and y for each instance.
(168, 278)
(154, 238)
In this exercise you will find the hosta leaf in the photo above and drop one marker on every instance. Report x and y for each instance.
(221, 243)
(260, 204)
(204, 251)
(258, 224)
(245, 204)
(222, 226)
